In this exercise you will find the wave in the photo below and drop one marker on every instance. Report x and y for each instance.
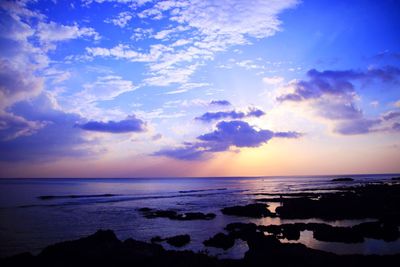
(121, 198)
(75, 196)
(201, 190)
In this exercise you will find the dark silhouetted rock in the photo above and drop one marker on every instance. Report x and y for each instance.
(257, 210)
(220, 240)
(395, 178)
(271, 199)
(156, 239)
(178, 240)
(325, 232)
(104, 249)
(345, 179)
(378, 230)
(358, 202)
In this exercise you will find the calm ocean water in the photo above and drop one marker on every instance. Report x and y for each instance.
(28, 223)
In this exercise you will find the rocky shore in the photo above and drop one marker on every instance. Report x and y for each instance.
(104, 249)
(378, 202)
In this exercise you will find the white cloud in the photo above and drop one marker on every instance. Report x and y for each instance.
(106, 88)
(121, 20)
(13, 126)
(187, 87)
(141, 33)
(85, 102)
(274, 80)
(54, 32)
(249, 64)
(167, 76)
(125, 52)
(24, 62)
(57, 76)
(210, 27)
(17, 83)
(133, 3)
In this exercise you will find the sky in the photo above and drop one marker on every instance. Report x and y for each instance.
(145, 88)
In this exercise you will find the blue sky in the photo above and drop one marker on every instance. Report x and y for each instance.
(128, 88)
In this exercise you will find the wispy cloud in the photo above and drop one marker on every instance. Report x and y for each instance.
(220, 102)
(207, 27)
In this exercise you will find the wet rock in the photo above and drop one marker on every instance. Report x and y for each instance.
(220, 240)
(288, 231)
(178, 240)
(243, 231)
(257, 210)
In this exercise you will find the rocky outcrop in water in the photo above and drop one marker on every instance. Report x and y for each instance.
(173, 215)
(257, 210)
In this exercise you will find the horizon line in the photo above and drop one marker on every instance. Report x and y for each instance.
(204, 177)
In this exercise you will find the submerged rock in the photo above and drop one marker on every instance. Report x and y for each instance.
(220, 240)
(197, 216)
(173, 215)
(257, 210)
(176, 241)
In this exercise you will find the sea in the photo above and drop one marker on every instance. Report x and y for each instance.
(35, 213)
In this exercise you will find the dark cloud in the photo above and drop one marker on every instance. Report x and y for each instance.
(387, 55)
(255, 113)
(235, 133)
(360, 126)
(130, 124)
(396, 126)
(391, 115)
(332, 95)
(288, 134)
(233, 114)
(336, 82)
(56, 139)
(227, 134)
(220, 102)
